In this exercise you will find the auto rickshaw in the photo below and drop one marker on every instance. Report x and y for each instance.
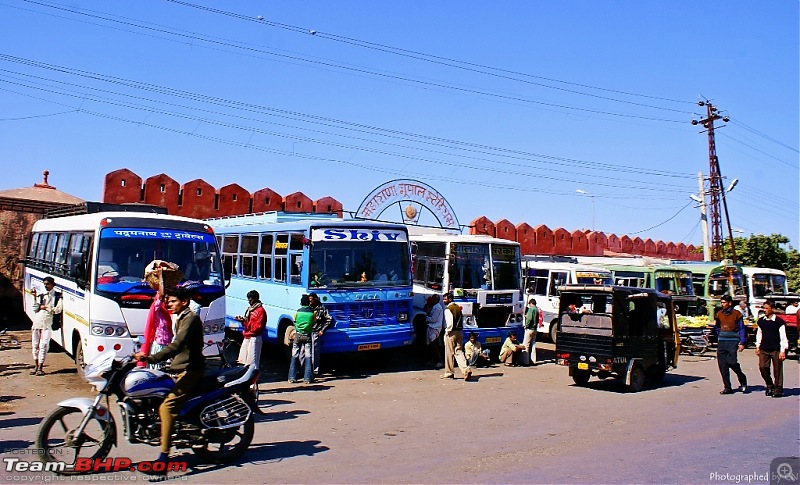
(616, 331)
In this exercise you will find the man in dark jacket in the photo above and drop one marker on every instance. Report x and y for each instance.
(730, 335)
(771, 346)
(322, 321)
(186, 351)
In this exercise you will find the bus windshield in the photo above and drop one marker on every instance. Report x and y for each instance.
(674, 282)
(123, 253)
(471, 266)
(593, 278)
(506, 266)
(768, 284)
(719, 284)
(354, 263)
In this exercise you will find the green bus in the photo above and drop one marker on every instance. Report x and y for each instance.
(666, 279)
(713, 279)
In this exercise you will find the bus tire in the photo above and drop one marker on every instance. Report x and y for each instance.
(553, 331)
(78, 355)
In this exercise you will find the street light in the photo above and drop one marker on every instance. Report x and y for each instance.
(583, 192)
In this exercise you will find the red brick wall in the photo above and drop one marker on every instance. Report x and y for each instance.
(298, 202)
(505, 230)
(482, 225)
(267, 200)
(122, 186)
(198, 199)
(233, 199)
(161, 190)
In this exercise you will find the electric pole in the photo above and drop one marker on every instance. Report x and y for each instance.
(716, 191)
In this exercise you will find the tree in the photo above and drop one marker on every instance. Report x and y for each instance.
(767, 252)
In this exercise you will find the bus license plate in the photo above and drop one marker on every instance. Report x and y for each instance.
(369, 346)
(583, 366)
(492, 340)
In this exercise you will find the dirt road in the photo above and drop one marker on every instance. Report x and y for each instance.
(401, 423)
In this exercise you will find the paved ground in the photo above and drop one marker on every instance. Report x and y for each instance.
(400, 423)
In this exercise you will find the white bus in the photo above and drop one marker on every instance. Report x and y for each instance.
(542, 277)
(97, 254)
(761, 283)
(482, 272)
(359, 269)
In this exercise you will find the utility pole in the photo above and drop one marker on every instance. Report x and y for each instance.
(716, 191)
(701, 199)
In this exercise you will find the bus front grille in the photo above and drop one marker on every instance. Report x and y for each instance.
(367, 314)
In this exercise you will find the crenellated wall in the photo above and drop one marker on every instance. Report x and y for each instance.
(200, 200)
(541, 240)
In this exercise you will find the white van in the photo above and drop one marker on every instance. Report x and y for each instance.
(541, 279)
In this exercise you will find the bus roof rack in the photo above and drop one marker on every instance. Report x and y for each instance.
(95, 207)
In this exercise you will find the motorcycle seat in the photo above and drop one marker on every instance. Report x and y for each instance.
(216, 378)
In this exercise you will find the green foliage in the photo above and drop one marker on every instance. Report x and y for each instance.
(767, 252)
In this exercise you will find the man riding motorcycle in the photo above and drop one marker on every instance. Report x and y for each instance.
(186, 352)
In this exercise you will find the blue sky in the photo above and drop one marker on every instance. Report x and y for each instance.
(507, 108)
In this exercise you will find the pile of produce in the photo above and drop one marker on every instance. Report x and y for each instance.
(699, 321)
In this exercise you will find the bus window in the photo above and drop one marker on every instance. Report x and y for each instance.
(40, 248)
(297, 268)
(50, 254)
(435, 278)
(537, 281)
(230, 249)
(265, 257)
(281, 250)
(61, 254)
(557, 278)
(32, 248)
(248, 255)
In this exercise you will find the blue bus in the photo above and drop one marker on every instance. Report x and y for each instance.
(361, 271)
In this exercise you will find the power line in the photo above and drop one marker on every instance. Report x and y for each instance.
(445, 61)
(453, 144)
(330, 64)
(662, 223)
(86, 97)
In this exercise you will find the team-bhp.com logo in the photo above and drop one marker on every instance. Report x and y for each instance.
(93, 465)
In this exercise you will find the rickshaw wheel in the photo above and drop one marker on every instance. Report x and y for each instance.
(637, 379)
(581, 377)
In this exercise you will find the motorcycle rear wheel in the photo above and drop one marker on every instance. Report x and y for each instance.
(56, 439)
(236, 442)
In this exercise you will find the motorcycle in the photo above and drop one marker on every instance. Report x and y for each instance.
(216, 422)
(694, 341)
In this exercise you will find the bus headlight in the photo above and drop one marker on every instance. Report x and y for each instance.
(109, 329)
(213, 326)
(402, 317)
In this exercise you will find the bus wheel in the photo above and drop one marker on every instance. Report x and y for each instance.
(80, 360)
(553, 331)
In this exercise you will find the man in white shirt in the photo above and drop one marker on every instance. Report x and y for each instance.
(44, 307)
(791, 309)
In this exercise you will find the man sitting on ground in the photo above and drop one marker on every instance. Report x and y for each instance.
(511, 351)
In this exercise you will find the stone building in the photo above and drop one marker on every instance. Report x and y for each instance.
(19, 209)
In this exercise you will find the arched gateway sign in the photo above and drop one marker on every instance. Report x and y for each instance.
(414, 193)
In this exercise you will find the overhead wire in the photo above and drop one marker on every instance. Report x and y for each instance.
(460, 165)
(438, 84)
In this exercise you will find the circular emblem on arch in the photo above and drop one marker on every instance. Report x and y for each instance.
(407, 194)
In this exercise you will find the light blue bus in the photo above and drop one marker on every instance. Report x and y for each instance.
(360, 269)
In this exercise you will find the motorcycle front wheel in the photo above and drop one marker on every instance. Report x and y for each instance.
(226, 445)
(57, 442)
